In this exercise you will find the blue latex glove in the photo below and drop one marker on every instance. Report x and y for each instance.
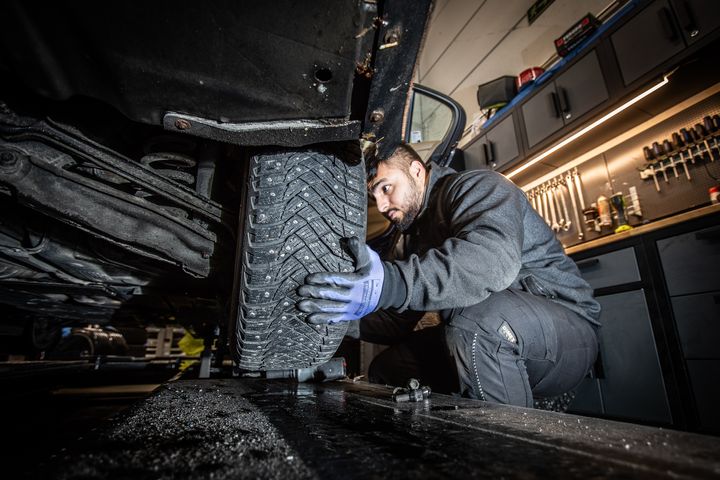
(332, 297)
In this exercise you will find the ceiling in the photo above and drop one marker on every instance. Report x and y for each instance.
(471, 42)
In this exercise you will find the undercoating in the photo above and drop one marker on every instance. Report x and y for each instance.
(255, 428)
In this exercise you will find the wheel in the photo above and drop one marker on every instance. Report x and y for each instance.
(299, 205)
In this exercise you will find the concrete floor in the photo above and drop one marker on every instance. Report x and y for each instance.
(254, 428)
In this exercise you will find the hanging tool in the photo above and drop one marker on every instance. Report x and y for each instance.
(668, 152)
(649, 164)
(701, 134)
(546, 206)
(689, 141)
(561, 193)
(578, 225)
(658, 152)
(578, 187)
(555, 225)
(712, 129)
(543, 208)
(556, 201)
(678, 145)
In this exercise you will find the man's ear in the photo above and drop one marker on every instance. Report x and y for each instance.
(417, 169)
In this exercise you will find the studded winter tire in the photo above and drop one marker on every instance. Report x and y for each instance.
(299, 205)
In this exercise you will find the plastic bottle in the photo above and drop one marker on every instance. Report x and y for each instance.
(604, 215)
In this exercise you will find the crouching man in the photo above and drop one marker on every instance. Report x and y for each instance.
(518, 321)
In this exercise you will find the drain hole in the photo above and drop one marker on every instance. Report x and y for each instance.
(323, 75)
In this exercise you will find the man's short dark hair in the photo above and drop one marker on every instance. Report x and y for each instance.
(401, 158)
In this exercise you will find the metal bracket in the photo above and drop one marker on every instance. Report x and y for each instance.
(287, 133)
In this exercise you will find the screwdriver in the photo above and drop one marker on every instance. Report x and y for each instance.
(658, 152)
(700, 134)
(667, 147)
(689, 140)
(649, 159)
(678, 144)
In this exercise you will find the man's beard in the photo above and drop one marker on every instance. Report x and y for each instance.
(410, 208)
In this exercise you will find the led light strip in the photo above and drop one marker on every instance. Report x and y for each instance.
(597, 122)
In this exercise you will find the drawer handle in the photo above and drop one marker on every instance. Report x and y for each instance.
(555, 101)
(587, 263)
(667, 23)
(564, 102)
(712, 235)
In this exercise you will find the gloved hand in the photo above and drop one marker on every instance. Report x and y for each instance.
(332, 297)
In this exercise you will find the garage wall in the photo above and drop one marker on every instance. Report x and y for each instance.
(471, 42)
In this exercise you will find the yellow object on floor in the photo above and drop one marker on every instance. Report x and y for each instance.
(192, 347)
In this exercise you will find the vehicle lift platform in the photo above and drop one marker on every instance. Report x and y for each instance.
(259, 428)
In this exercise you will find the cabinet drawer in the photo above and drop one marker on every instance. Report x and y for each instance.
(614, 268)
(474, 155)
(697, 18)
(581, 88)
(502, 145)
(633, 385)
(706, 390)
(698, 324)
(542, 116)
(646, 41)
(690, 261)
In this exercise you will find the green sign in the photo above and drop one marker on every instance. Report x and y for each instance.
(537, 9)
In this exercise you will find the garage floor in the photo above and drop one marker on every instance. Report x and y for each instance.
(255, 428)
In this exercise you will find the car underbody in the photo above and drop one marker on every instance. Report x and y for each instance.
(188, 164)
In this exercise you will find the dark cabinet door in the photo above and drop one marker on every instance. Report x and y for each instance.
(502, 145)
(541, 115)
(581, 88)
(698, 323)
(474, 154)
(633, 385)
(646, 41)
(706, 390)
(697, 18)
(690, 261)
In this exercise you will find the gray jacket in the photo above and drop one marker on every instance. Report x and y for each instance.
(477, 234)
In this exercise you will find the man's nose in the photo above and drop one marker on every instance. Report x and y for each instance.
(382, 204)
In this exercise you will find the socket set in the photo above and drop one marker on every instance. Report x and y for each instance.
(688, 146)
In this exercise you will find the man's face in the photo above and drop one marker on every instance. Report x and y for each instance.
(398, 193)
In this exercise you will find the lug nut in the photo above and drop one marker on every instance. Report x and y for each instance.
(377, 116)
(182, 124)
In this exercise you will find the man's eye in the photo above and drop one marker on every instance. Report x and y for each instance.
(386, 188)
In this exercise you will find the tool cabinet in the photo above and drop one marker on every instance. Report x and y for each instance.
(690, 264)
(627, 381)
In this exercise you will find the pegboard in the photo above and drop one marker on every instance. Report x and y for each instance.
(617, 170)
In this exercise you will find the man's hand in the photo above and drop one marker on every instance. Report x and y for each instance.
(334, 297)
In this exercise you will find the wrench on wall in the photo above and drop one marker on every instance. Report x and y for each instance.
(561, 193)
(555, 226)
(578, 225)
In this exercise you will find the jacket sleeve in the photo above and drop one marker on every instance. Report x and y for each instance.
(483, 255)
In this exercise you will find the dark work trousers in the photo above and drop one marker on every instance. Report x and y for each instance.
(506, 349)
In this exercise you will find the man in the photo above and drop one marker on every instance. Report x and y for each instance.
(518, 320)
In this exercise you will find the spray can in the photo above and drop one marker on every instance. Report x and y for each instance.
(604, 215)
(714, 194)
